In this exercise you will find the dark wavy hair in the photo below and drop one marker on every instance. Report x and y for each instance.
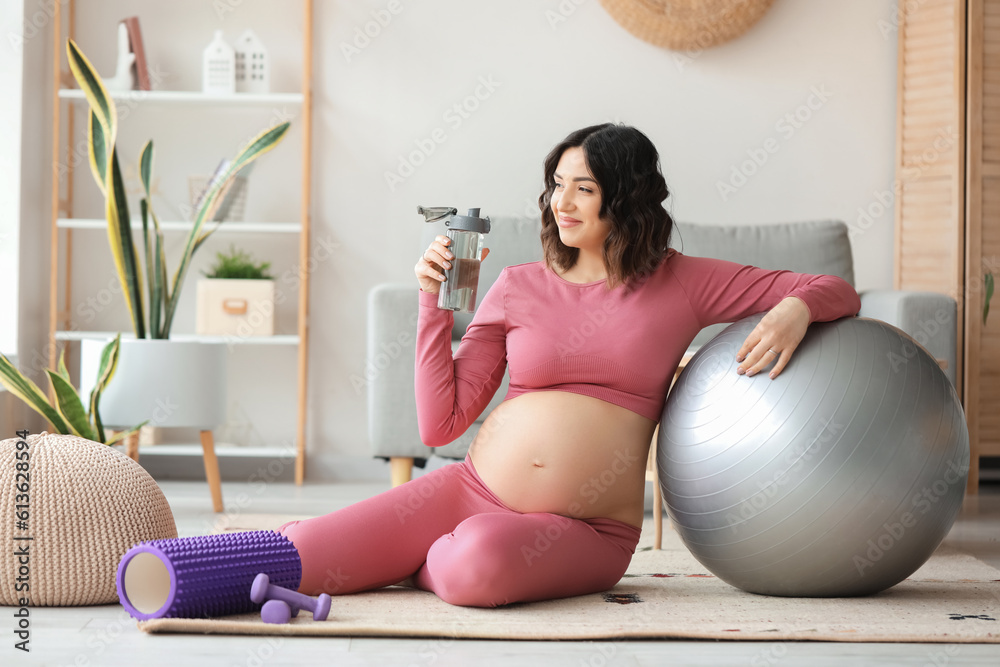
(626, 166)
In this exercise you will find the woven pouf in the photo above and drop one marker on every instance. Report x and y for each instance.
(87, 504)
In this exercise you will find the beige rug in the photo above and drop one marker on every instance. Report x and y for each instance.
(953, 598)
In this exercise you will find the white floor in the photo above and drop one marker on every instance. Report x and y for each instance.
(105, 635)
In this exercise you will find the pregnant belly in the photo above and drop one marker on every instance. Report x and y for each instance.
(566, 454)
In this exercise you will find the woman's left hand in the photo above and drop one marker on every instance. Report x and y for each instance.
(775, 337)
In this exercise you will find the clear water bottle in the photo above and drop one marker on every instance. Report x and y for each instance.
(467, 234)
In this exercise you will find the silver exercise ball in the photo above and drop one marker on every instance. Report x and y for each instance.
(838, 478)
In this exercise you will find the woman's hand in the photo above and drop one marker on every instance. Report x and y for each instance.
(775, 337)
(432, 264)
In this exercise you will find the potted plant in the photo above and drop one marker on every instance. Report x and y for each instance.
(67, 414)
(236, 297)
(173, 383)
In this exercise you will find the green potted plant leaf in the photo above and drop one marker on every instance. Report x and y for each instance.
(236, 297)
(67, 414)
(170, 382)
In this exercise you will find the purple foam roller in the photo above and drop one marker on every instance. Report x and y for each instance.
(198, 577)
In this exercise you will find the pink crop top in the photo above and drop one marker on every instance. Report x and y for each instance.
(621, 347)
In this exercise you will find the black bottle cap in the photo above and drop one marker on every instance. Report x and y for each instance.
(470, 222)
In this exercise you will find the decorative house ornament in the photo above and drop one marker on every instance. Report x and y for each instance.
(252, 65)
(124, 78)
(218, 67)
(683, 25)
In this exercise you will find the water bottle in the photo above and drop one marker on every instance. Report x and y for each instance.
(467, 233)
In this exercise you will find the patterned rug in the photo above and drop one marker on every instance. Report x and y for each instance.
(953, 598)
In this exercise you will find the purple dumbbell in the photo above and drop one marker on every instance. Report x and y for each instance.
(276, 611)
(262, 590)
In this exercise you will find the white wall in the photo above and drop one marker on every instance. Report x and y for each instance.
(31, 33)
(703, 111)
(380, 102)
(11, 63)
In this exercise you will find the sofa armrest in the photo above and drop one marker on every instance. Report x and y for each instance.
(388, 374)
(388, 379)
(930, 318)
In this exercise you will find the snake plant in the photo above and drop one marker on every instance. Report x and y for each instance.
(67, 414)
(101, 135)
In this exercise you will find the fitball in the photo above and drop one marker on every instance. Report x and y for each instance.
(840, 477)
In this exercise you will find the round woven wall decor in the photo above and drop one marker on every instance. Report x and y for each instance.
(684, 25)
(87, 505)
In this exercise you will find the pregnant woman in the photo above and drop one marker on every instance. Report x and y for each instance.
(549, 501)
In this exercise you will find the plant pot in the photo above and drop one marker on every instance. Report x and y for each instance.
(229, 307)
(169, 383)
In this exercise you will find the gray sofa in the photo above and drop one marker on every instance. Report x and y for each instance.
(821, 247)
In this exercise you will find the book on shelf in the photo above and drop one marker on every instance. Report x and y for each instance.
(141, 67)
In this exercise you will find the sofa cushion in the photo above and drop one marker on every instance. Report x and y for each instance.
(819, 247)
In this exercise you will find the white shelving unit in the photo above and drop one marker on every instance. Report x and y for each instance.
(64, 224)
(184, 226)
(286, 339)
(191, 97)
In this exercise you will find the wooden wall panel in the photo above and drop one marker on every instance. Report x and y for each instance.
(930, 244)
(983, 381)
(987, 372)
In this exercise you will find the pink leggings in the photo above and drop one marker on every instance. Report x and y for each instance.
(457, 539)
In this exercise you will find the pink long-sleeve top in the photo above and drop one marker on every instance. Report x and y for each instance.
(621, 346)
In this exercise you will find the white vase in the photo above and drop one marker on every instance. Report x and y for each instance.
(169, 383)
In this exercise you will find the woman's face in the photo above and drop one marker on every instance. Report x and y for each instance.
(576, 203)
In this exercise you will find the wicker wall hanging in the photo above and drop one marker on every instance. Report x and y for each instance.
(683, 25)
